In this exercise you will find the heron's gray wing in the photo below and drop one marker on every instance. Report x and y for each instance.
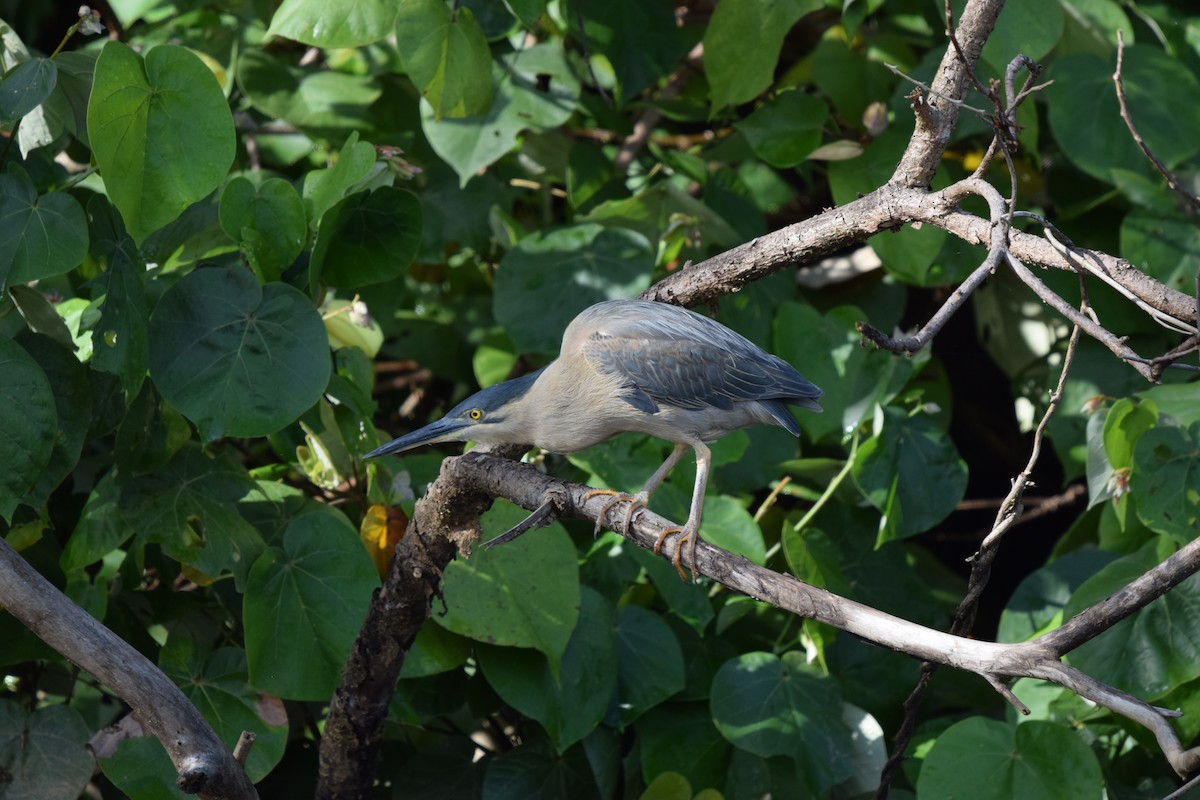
(689, 373)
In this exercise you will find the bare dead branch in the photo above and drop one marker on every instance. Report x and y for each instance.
(205, 765)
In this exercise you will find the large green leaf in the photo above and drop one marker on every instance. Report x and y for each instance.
(550, 277)
(189, 506)
(534, 771)
(73, 407)
(218, 686)
(1013, 34)
(649, 663)
(989, 760)
(237, 358)
(1037, 603)
(571, 703)
(161, 132)
(774, 706)
(142, 770)
(681, 737)
(446, 55)
(101, 527)
(1165, 481)
(1164, 100)
(1152, 651)
(121, 339)
(1164, 247)
(911, 471)
(303, 605)
(323, 188)
(267, 221)
(640, 38)
(40, 237)
(520, 101)
(28, 419)
(827, 350)
(786, 129)
(314, 99)
(343, 24)
(26, 87)
(44, 754)
(742, 44)
(367, 238)
(524, 594)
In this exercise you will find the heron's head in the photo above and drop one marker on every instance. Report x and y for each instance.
(495, 415)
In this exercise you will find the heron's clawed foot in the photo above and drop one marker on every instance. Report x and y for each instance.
(685, 536)
(636, 502)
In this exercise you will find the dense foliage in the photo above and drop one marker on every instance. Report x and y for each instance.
(235, 239)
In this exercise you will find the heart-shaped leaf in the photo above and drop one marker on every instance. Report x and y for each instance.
(236, 358)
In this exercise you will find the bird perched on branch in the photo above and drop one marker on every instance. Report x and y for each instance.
(634, 366)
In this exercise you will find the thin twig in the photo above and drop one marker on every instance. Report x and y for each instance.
(1172, 181)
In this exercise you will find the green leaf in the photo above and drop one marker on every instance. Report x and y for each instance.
(40, 237)
(121, 339)
(570, 704)
(1152, 651)
(729, 526)
(649, 663)
(549, 277)
(640, 38)
(303, 605)
(827, 351)
(520, 101)
(142, 770)
(343, 24)
(26, 87)
(1165, 482)
(323, 188)
(267, 221)
(989, 760)
(367, 238)
(659, 210)
(786, 129)
(236, 358)
(742, 44)
(1164, 99)
(911, 253)
(40, 316)
(28, 418)
(434, 651)
(101, 528)
(313, 98)
(1126, 421)
(44, 755)
(189, 507)
(524, 594)
(681, 737)
(161, 132)
(446, 55)
(73, 406)
(1164, 247)
(1038, 601)
(778, 707)
(911, 471)
(1013, 34)
(534, 771)
(668, 786)
(217, 684)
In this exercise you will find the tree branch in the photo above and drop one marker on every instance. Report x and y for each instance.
(1039, 658)
(204, 763)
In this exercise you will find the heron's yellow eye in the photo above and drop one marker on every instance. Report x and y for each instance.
(475, 414)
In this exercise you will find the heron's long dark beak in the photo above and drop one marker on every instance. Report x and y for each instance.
(444, 430)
